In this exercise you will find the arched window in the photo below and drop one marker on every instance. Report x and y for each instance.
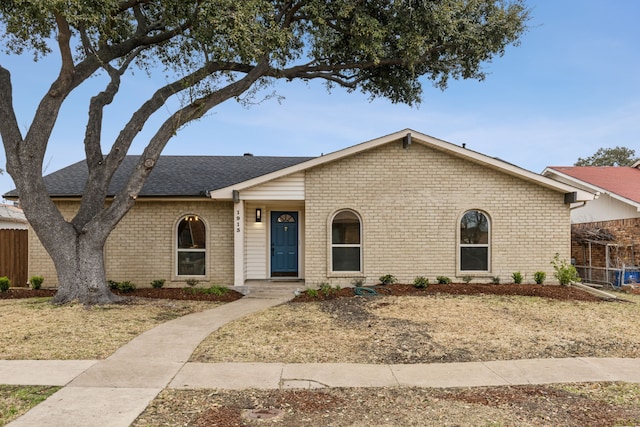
(191, 248)
(474, 241)
(346, 242)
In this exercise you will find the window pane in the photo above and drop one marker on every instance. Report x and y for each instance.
(346, 259)
(191, 233)
(191, 263)
(474, 259)
(345, 229)
(474, 228)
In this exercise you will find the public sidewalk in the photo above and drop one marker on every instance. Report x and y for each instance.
(114, 391)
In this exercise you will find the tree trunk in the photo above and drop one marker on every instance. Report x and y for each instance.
(81, 273)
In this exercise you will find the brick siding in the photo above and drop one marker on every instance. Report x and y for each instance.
(411, 202)
(142, 247)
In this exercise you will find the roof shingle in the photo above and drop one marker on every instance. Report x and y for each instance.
(176, 176)
(621, 180)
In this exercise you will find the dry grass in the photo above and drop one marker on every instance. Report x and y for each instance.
(428, 329)
(37, 330)
(574, 405)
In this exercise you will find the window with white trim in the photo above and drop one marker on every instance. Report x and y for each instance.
(191, 246)
(346, 247)
(474, 241)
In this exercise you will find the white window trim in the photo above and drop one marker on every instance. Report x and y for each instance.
(487, 245)
(176, 250)
(331, 245)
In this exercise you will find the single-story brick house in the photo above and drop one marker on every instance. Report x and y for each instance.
(605, 231)
(405, 204)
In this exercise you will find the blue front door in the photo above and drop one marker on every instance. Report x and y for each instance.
(284, 243)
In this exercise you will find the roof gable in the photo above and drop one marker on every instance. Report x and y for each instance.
(622, 182)
(408, 137)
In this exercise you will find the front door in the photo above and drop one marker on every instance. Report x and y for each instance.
(284, 244)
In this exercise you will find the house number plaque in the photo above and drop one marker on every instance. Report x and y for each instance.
(237, 221)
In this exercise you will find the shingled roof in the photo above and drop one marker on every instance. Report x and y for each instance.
(173, 176)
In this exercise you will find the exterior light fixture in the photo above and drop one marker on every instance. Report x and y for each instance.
(258, 215)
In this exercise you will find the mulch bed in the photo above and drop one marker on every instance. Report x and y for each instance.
(544, 291)
(156, 293)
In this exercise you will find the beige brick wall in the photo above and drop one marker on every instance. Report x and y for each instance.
(142, 247)
(411, 202)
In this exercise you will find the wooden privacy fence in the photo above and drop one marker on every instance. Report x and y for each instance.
(14, 256)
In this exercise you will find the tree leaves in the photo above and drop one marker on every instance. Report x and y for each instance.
(618, 156)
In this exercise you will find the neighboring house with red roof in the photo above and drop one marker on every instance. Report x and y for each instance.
(405, 204)
(606, 230)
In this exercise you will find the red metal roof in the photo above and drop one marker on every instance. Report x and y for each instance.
(621, 180)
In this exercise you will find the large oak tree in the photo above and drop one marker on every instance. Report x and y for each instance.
(214, 51)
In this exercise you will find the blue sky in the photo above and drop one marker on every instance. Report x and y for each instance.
(571, 87)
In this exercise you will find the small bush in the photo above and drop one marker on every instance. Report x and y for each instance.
(216, 290)
(112, 284)
(421, 282)
(539, 277)
(326, 289)
(495, 280)
(36, 281)
(564, 272)
(517, 277)
(443, 280)
(192, 282)
(4, 284)
(126, 286)
(358, 282)
(157, 283)
(313, 293)
(388, 279)
(467, 279)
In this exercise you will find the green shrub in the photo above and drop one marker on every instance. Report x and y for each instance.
(126, 286)
(36, 281)
(564, 272)
(216, 290)
(192, 282)
(313, 293)
(157, 283)
(467, 279)
(326, 289)
(495, 280)
(4, 284)
(539, 277)
(443, 280)
(421, 282)
(517, 277)
(388, 279)
(358, 282)
(112, 284)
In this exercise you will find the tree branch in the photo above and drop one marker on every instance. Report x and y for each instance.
(9, 129)
(125, 199)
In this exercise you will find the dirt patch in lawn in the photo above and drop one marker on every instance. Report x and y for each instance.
(429, 327)
(574, 405)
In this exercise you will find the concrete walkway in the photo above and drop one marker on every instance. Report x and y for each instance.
(114, 391)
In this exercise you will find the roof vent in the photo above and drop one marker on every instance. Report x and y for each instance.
(406, 141)
(248, 154)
